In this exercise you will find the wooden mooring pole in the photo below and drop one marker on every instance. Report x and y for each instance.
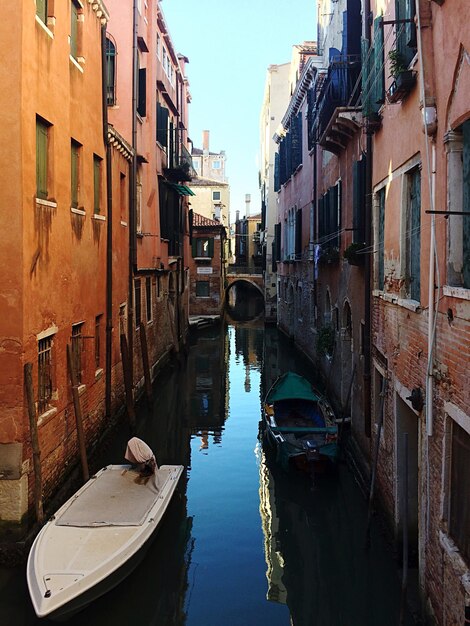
(33, 426)
(78, 413)
(126, 367)
(145, 362)
(404, 580)
(375, 460)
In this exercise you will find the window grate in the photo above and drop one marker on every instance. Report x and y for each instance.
(77, 349)
(44, 373)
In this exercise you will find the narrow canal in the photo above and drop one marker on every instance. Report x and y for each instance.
(242, 543)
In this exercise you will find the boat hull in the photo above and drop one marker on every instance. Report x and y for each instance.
(73, 561)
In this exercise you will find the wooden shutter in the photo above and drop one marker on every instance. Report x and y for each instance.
(298, 233)
(74, 174)
(41, 160)
(96, 184)
(414, 236)
(41, 9)
(73, 29)
(296, 133)
(466, 205)
(194, 247)
(211, 247)
(162, 125)
(276, 172)
(142, 99)
(359, 171)
(378, 91)
(282, 163)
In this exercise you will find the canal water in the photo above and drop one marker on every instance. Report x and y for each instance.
(242, 543)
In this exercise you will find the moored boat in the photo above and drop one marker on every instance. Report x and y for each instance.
(301, 424)
(97, 537)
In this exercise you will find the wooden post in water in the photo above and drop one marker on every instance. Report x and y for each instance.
(33, 426)
(126, 366)
(78, 413)
(145, 362)
(404, 580)
(375, 460)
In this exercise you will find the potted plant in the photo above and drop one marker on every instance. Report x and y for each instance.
(354, 255)
(404, 79)
(330, 255)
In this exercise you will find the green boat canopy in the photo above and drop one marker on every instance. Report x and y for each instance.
(291, 386)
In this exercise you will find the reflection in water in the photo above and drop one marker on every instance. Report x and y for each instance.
(209, 561)
(245, 302)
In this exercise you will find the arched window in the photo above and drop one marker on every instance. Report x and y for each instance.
(110, 72)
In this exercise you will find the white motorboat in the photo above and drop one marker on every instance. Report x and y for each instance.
(97, 537)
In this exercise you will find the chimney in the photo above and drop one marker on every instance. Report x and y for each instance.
(205, 141)
(247, 202)
(237, 216)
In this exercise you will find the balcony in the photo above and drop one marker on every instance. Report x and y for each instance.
(179, 163)
(338, 110)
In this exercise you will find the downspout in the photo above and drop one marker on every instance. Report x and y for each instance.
(109, 231)
(367, 260)
(133, 197)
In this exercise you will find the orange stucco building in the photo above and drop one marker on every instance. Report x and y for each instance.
(95, 220)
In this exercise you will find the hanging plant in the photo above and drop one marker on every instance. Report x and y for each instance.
(397, 63)
(354, 255)
(325, 340)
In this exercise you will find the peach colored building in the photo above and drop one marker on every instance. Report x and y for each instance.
(148, 106)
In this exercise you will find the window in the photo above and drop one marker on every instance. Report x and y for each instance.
(139, 201)
(77, 350)
(98, 325)
(137, 303)
(359, 198)
(413, 235)
(329, 217)
(216, 165)
(459, 502)
(159, 286)
(41, 10)
(298, 234)
(96, 184)
(110, 72)
(159, 47)
(203, 248)
(380, 242)
(142, 92)
(123, 318)
(42, 143)
(123, 196)
(148, 298)
(406, 32)
(74, 29)
(162, 125)
(202, 288)
(216, 195)
(75, 174)
(44, 373)
(458, 198)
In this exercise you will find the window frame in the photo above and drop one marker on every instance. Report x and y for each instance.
(199, 284)
(111, 71)
(75, 158)
(42, 164)
(77, 350)
(97, 184)
(45, 373)
(148, 299)
(137, 302)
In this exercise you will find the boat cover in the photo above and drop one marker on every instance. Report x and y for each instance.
(291, 386)
(118, 496)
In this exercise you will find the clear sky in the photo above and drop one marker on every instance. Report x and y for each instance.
(230, 44)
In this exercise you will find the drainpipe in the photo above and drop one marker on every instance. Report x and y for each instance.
(367, 260)
(109, 231)
(133, 196)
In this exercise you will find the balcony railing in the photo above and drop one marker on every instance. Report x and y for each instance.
(180, 163)
(339, 89)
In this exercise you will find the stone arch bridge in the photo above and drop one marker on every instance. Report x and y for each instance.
(253, 276)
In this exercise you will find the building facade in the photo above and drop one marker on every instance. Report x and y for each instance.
(207, 269)
(384, 259)
(100, 227)
(276, 98)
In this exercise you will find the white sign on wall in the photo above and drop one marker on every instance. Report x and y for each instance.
(204, 270)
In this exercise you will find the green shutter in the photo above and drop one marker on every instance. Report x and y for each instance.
(414, 235)
(74, 175)
(97, 184)
(162, 125)
(466, 205)
(211, 247)
(41, 160)
(378, 91)
(73, 29)
(194, 247)
(142, 100)
(41, 10)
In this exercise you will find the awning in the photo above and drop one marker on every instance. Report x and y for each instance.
(182, 190)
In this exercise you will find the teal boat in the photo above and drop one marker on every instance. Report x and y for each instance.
(300, 423)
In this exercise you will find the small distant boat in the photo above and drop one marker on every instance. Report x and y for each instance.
(301, 424)
(97, 537)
